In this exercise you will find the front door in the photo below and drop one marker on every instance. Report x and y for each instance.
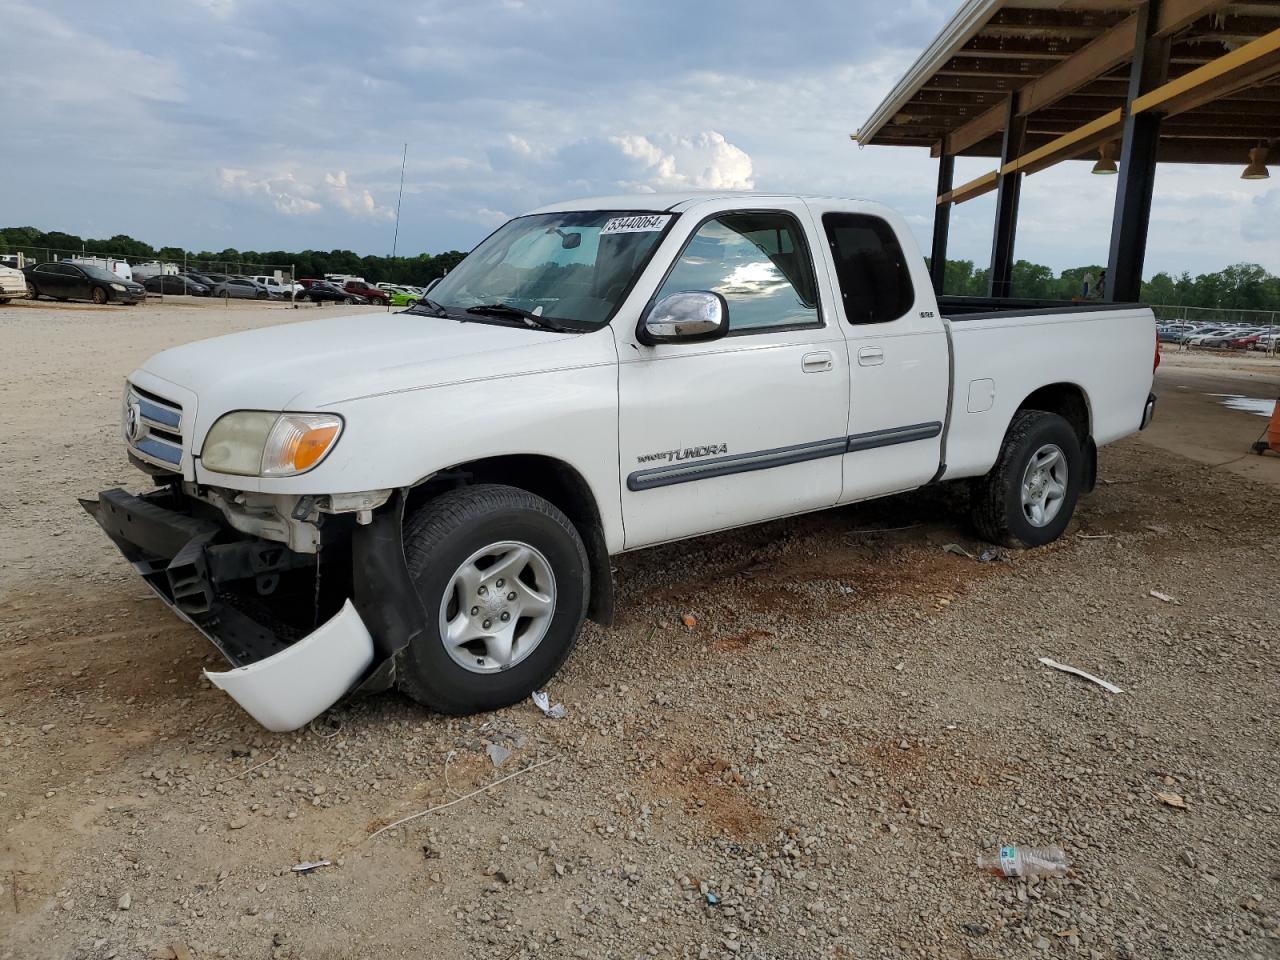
(752, 426)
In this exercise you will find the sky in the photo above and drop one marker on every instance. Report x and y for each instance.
(265, 125)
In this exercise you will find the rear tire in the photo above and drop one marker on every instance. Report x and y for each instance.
(1026, 476)
(441, 541)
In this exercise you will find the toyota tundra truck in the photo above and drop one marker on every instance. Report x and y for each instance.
(428, 500)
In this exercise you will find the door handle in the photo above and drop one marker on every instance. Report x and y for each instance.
(870, 356)
(819, 362)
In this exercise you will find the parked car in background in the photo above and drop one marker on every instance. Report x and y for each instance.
(370, 293)
(175, 284)
(239, 288)
(202, 278)
(404, 298)
(321, 291)
(278, 287)
(12, 284)
(81, 281)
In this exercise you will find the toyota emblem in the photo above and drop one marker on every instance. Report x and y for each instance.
(133, 428)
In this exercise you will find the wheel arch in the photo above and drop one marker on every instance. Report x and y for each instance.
(1071, 402)
(557, 482)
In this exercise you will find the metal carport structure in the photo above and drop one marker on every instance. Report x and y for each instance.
(1131, 82)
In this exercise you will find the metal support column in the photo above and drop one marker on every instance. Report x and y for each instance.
(941, 223)
(1008, 189)
(1140, 140)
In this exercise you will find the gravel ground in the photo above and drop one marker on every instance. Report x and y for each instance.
(793, 744)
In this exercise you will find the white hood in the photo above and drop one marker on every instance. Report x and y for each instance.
(319, 363)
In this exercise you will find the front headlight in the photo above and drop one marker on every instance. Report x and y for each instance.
(118, 286)
(255, 443)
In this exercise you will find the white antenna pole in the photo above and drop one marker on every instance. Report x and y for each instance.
(396, 238)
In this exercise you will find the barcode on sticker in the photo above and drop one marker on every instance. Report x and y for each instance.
(648, 223)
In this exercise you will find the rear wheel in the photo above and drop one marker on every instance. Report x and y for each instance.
(503, 578)
(1030, 494)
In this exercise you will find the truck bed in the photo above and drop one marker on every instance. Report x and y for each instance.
(984, 308)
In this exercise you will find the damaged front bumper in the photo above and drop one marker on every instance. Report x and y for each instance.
(298, 635)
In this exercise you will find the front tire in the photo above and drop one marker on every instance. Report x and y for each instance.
(349, 301)
(1029, 496)
(504, 582)
(98, 296)
(32, 292)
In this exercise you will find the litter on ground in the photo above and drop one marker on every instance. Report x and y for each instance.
(1109, 687)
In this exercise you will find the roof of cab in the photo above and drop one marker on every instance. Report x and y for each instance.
(656, 202)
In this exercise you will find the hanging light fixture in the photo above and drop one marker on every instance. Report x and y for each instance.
(1257, 168)
(1106, 164)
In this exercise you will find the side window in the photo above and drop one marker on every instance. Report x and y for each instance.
(759, 263)
(875, 282)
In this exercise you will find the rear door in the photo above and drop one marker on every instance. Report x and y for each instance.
(898, 353)
(748, 427)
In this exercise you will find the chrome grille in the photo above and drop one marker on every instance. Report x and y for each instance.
(153, 427)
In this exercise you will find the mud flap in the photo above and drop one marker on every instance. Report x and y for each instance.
(384, 593)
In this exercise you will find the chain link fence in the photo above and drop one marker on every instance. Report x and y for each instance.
(1265, 323)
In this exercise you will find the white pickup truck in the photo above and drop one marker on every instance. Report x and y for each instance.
(429, 499)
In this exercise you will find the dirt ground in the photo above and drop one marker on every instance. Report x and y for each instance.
(808, 771)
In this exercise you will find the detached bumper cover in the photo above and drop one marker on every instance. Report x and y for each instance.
(298, 684)
(283, 677)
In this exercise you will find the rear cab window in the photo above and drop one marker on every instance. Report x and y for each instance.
(872, 271)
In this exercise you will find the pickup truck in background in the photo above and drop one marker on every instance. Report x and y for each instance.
(429, 499)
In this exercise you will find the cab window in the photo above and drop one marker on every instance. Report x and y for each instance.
(759, 262)
(875, 280)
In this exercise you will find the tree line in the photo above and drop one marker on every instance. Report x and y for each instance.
(419, 269)
(1241, 286)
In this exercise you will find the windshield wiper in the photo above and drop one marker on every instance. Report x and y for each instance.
(507, 310)
(436, 309)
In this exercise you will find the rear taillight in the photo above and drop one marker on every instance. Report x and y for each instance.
(1156, 365)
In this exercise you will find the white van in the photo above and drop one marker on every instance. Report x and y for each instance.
(120, 268)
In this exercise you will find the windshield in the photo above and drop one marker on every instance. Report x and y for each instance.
(575, 267)
(97, 273)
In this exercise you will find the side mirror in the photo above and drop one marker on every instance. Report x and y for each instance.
(686, 317)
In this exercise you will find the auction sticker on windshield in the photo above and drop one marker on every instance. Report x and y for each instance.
(649, 223)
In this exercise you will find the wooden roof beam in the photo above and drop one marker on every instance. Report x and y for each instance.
(1078, 141)
(974, 188)
(1111, 49)
(1251, 64)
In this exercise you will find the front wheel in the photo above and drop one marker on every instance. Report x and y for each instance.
(503, 578)
(32, 292)
(1030, 494)
(349, 301)
(99, 296)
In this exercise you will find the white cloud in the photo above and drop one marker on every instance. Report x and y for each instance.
(357, 202)
(284, 192)
(705, 161)
(294, 195)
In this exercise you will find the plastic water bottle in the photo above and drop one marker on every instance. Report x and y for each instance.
(1025, 862)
